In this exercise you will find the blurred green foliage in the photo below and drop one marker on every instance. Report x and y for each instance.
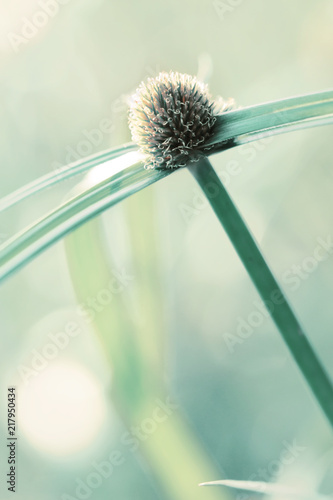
(242, 409)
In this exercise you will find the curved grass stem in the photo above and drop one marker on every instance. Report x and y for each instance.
(93, 199)
(272, 118)
(266, 284)
(233, 128)
(66, 172)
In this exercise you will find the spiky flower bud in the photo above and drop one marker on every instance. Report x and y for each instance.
(171, 118)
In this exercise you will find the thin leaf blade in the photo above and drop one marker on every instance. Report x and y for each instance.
(264, 488)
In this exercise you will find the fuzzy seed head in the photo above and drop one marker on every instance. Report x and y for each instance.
(171, 117)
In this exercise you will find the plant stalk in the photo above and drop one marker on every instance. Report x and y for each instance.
(266, 284)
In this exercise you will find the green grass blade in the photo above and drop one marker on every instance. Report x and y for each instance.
(266, 284)
(243, 125)
(292, 127)
(274, 118)
(114, 187)
(267, 489)
(233, 128)
(132, 341)
(48, 180)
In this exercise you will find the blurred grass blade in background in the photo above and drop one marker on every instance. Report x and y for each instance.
(133, 342)
(271, 489)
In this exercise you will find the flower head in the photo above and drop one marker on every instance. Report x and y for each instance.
(171, 117)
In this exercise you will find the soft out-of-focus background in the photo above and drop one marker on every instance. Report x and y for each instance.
(143, 359)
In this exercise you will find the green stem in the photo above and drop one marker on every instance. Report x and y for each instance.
(91, 201)
(265, 283)
(63, 173)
